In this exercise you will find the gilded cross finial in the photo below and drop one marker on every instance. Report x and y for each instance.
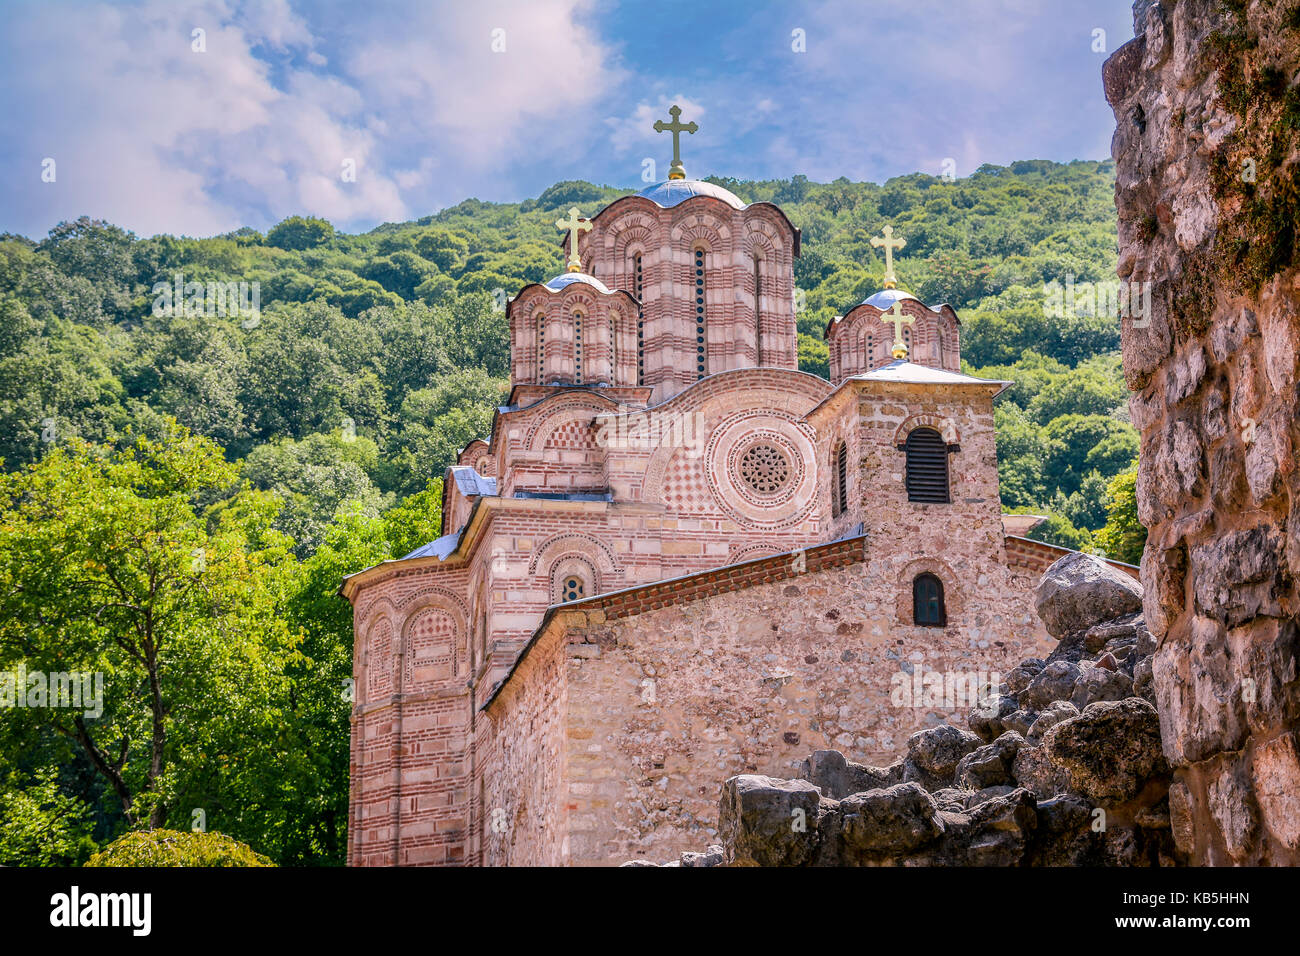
(574, 225)
(676, 170)
(896, 316)
(890, 244)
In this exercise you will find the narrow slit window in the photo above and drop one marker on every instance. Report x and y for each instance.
(701, 355)
(840, 488)
(577, 347)
(541, 349)
(638, 287)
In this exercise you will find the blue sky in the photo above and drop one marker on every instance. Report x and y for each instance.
(156, 136)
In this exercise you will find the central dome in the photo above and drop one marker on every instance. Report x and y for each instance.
(884, 299)
(673, 191)
(568, 278)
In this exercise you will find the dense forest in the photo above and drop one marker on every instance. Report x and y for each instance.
(183, 489)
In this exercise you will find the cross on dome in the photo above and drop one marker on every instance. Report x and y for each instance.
(896, 316)
(574, 225)
(890, 244)
(676, 170)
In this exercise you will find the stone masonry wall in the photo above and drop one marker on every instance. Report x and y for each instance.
(1207, 106)
(661, 705)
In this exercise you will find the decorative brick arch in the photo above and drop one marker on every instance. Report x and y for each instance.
(760, 239)
(714, 237)
(750, 551)
(762, 219)
(562, 413)
(575, 543)
(954, 597)
(944, 426)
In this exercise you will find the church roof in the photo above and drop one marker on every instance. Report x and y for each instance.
(438, 548)
(568, 278)
(884, 299)
(673, 191)
(909, 373)
(470, 483)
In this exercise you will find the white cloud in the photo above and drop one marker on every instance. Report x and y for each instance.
(156, 137)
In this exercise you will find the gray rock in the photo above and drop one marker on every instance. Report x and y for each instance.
(713, 856)
(763, 821)
(1055, 712)
(1099, 683)
(894, 821)
(1018, 677)
(1055, 682)
(1034, 770)
(996, 832)
(1080, 591)
(1110, 750)
(990, 765)
(933, 754)
(1019, 722)
(951, 798)
(987, 722)
(838, 776)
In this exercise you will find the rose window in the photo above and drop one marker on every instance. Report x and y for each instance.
(764, 469)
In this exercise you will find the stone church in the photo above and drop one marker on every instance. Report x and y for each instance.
(677, 557)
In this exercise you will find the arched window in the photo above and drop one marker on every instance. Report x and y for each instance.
(573, 578)
(701, 356)
(572, 588)
(927, 601)
(758, 313)
(840, 480)
(927, 466)
(541, 348)
(638, 287)
(577, 347)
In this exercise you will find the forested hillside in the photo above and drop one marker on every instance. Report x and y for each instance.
(183, 491)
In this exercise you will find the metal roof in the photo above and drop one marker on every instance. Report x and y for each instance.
(568, 278)
(470, 483)
(901, 370)
(673, 191)
(438, 548)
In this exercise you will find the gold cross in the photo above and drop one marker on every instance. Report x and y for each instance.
(676, 170)
(890, 244)
(574, 225)
(896, 316)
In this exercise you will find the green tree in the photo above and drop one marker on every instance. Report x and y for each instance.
(176, 848)
(299, 232)
(155, 572)
(1122, 537)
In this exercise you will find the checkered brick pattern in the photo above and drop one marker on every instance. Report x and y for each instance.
(685, 487)
(430, 655)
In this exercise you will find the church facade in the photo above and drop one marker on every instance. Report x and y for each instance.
(677, 557)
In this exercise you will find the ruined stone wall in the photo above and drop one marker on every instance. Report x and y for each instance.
(1207, 107)
(663, 704)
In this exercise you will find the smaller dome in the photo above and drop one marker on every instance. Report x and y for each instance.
(884, 299)
(568, 278)
(674, 191)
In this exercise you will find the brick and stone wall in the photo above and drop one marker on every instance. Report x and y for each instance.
(670, 689)
(1207, 108)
